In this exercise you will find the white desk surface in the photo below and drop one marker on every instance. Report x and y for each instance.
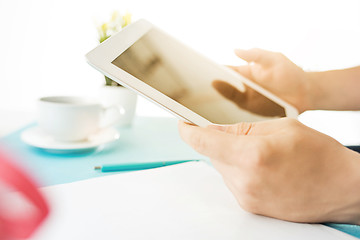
(186, 201)
(344, 126)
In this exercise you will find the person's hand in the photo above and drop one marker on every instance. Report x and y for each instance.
(274, 72)
(283, 169)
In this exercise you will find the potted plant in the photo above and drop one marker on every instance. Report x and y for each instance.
(113, 93)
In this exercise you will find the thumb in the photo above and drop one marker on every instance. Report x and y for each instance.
(207, 141)
(256, 55)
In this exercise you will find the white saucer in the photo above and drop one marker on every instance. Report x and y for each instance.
(36, 137)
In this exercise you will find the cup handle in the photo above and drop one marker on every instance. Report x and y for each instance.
(117, 108)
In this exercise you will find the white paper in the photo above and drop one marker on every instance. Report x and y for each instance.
(185, 201)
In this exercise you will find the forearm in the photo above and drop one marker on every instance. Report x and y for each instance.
(335, 90)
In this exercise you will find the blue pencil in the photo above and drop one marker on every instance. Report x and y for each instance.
(138, 166)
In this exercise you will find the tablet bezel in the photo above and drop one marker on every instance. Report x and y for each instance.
(102, 56)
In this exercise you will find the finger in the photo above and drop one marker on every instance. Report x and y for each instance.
(262, 128)
(243, 70)
(209, 142)
(238, 129)
(256, 55)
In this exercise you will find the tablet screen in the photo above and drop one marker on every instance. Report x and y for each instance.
(194, 81)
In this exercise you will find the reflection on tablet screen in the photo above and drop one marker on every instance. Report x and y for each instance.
(183, 75)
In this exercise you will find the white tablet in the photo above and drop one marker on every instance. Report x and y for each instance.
(194, 88)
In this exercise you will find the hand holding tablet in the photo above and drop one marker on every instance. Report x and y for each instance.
(182, 81)
(270, 166)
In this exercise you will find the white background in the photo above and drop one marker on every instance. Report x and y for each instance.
(43, 42)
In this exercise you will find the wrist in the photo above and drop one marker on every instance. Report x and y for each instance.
(315, 93)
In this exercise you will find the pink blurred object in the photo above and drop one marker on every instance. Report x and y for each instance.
(15, 223)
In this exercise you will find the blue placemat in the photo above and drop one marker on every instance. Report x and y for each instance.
(148, 139)
(350, 229)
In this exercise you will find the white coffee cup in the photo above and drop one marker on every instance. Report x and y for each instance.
(71, 119)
